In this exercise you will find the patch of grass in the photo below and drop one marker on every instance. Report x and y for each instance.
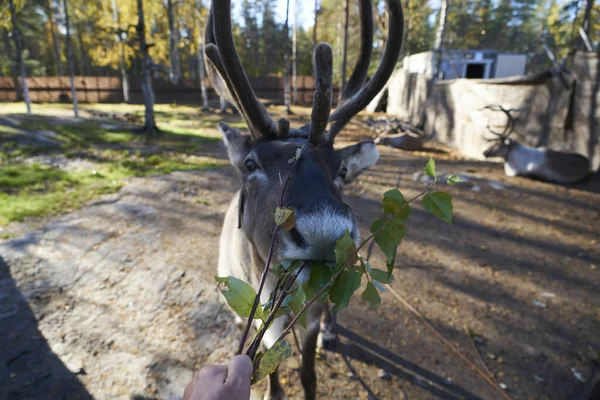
(20, 176)
(30, 190)
(158, 165)
(7, 235)
(80, 135)
(8, 131)
(111, 149)
(22, 205)
(238, 125)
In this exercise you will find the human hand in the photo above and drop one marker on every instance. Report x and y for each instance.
(220, 382)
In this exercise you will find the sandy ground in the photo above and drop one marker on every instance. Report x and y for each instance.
(117, 300)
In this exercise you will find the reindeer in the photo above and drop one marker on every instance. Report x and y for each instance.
(315, 187)
(541, 163)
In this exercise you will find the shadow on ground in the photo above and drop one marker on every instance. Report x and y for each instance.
(28, 367)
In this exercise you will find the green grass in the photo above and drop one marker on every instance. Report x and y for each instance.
(114, 154)
(34, 191)
(21, 176)
(7, 131)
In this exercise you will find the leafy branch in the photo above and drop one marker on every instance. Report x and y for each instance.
(334, 282)
(280, 218)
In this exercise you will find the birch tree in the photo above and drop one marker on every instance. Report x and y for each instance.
(286, 61)
(119, 37)
(175, 70)
(439, 40)
(19, 54)
(148, 93)
(69, 49)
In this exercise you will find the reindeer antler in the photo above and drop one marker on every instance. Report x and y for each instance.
(323, 67)
(230, 81)
(508, 129)
(220, 51)
(362, 98)
(361, 69)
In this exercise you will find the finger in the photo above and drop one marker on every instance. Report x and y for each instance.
(212, 374)
(239, 371)
(188, 393)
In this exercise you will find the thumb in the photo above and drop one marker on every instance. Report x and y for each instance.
(239, 372)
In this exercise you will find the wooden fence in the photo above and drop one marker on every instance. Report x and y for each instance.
(101, 89)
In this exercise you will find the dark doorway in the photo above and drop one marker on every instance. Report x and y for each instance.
(475, 71)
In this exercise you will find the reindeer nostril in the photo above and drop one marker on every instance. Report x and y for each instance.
(297, 238)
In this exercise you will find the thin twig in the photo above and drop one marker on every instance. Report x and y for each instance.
(447, 343)
(265, 272)
(297, 343)
(476, 350)
(287, 330)
(284, 292)
(263, 278)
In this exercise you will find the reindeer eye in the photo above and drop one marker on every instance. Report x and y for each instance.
(251, 165)
(343, 173)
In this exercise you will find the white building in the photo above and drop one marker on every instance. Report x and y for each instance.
(471, 64)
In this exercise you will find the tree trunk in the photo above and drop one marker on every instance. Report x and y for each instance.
(202, 74)
(286, 61)
(14, 73)
(345, 51)
(124, 77)
(149, 123)
(406, 33)
(201, 66)
(439, 40)
(19, 54)
(49, 10)
(587, 17)
(295, 55)
(70, 59)
(122, 64)
(316, 19)
(223, 104)
(175, 71)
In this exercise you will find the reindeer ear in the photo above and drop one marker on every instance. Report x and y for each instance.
(358, 158)
(237, 145)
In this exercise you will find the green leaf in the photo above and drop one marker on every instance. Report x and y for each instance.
(394, 204)
(285, 218)
(343, 288)
(430, 168)
(239, 295)
(345, 251)
(278, 270)
(388, 236)
(268, 361)
(440, 205)
(454, 180)
(296, 304)
(371, 296)
(320, 275)
(381, 276)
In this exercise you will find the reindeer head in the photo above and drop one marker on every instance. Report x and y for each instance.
(502, 145)
(265, 157)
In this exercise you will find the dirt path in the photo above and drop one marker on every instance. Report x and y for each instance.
(117, 300)
(123, 289)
